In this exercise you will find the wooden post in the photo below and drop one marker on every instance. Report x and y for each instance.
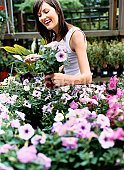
(121, 18)
(112, 14)
(10, 15)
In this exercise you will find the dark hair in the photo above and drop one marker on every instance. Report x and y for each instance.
(44, 32)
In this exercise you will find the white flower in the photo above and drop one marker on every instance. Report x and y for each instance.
(25, 82)
(26, 132)
(26, 88)
(106, 138)
(36, 93)
(59, 117)
(27, 104)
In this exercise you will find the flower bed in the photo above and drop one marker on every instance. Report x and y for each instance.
(66, 128)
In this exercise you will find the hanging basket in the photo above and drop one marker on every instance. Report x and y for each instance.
(2, 8)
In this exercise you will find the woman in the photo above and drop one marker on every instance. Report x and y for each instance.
(53, 27)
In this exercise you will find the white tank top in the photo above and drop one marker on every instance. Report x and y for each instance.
(72, 68)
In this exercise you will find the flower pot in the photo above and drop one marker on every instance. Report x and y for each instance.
(49, 83)
(105, 71)
(3, 75)
(94, 70)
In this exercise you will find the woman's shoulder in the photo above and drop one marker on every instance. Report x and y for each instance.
(76, 32)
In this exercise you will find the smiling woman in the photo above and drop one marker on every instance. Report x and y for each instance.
(53, 27)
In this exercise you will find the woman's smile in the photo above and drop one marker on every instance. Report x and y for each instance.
(48, 17)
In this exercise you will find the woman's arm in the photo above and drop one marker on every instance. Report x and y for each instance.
(78, 44)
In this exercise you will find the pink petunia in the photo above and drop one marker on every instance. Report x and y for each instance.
(15, 123)
(73, 105)
(44, 160)
(61, 56)
(6, 147)
(27, 154)
(113, 83)
(70, 142)
(106, 138)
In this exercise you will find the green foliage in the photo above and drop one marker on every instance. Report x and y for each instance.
(70, 4)
(116, 53)
(17, 49)
(25, 6)
(101, 52)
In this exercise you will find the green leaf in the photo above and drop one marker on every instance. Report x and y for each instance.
(9, 49)
(21, 50)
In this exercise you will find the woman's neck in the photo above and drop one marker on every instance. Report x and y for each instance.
(58, 37)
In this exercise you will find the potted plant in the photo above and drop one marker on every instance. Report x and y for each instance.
(115, 57)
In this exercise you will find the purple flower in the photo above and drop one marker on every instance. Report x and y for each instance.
(26, 132)
(27, 154)
(73, 105)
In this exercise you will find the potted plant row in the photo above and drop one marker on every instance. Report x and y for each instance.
(106, 58)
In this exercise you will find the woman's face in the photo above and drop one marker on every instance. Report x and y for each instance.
(48, 17)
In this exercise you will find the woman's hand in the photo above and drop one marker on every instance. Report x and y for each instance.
(31, 58)
(60, 79)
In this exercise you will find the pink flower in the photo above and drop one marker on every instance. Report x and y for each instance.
(52, 45)
(113, 83)
(61, 56)
(27, 154)
(82, 128)
(59, 128)
(44, 160)
(38, 139)
(69, 142)
(26, 132)
(15, 123)
(5, 148)
(119, 134)
(73, 105)
(103, 121)
(106, 138)
(4, 167)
